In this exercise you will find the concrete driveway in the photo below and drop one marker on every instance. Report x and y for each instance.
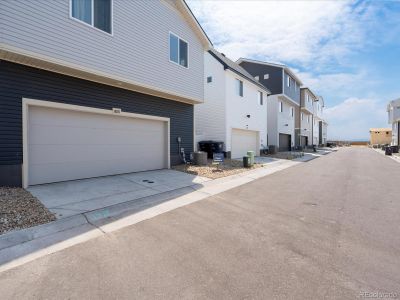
(70, 198)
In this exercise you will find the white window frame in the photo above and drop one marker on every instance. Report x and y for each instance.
(280, 106)
(92, 20)
(260, 97)
(179, 50)
(288, 80)
(239, 83)
(292, 112)
(302, 116)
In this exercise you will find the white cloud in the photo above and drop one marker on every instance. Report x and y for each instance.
(303, 32)
(354, 117)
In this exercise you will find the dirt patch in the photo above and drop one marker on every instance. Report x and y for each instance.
(227, 168)
(19, 209)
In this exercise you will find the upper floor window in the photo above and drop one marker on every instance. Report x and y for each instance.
(96, 13)
(308, 98)
(209, 79)
(239, 87)
(288, 81)
(260, 98)
(280, 106)
(178, 50)
(302, 116)
(308, 119)
(292, 112)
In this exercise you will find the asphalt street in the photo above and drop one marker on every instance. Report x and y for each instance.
(325, 229)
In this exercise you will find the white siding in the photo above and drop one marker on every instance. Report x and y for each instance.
(239, 107)
(315, 131)
(138, 50)
(285, 120)
(306, 128)
(210, 116)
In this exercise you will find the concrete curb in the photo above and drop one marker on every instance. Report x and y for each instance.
(22, 246)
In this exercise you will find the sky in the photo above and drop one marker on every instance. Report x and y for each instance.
(346, 51)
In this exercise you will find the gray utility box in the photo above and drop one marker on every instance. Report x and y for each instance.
(200, 158)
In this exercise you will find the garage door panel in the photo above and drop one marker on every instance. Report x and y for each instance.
(284, 142)
(67, 145)
(243, 141)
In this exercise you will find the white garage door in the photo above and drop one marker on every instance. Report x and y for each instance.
(243, 141)
(66, 145)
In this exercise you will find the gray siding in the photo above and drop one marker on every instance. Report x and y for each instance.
(18, 81)
(274, 83)
(138, 50)
(293, 91)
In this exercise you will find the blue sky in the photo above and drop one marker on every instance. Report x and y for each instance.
(346, 51)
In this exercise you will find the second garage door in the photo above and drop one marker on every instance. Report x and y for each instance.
(243, 141)
(66, 144)
(284, 142)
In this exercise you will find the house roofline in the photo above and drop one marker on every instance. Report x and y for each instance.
(307, 88)
(252, 80)
(282, 66)
(196, 23)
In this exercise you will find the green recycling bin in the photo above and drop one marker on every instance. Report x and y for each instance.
(250, 154)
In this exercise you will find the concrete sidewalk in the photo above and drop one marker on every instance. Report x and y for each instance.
(19, 247)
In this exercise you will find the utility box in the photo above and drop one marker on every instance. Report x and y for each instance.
(250, 154)
(200, 158)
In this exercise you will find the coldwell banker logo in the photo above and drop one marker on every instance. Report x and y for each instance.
(379, 295)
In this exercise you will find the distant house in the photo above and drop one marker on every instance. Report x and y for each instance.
(393, 110)
(380, 136)
(234, 109)
(283, 102)
(304, 123)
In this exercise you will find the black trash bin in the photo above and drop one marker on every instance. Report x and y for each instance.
(211, 147)
(246, 161)
(388, 151)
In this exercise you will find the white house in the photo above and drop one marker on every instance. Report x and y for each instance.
(304, 124)
(234, 109)
(318, 121)
(283, 101)
(393, 110)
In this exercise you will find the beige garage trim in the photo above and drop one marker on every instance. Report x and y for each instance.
(243, 141)
(66, 142)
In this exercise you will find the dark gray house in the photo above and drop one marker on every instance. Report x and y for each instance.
(283, 101)
(99, 89)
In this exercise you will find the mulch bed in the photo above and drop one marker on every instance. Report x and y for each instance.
(227, 168)
(19, 209)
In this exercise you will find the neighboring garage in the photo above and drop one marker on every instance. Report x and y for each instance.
(243, 141)
(284, 142)
(74, 142)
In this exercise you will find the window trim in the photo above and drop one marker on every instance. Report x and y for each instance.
(260, 98)
(241, 87)
(92, 21)
(169, 49)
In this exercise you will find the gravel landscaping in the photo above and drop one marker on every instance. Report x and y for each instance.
(228, 167)
(19, 209)
(286, 155)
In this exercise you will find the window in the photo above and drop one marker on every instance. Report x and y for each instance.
(96, 13)
(209, 79)
(260, 98)
(280, 107)
(302, 116)
(178, 50)
(239, 87)
(292, 112)
(308, 98)
(308, 119)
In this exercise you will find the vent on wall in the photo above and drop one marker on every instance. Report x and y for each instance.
(257, 78)
(266, 76)
(117, 110)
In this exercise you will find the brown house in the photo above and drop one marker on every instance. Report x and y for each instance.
(380, 136)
